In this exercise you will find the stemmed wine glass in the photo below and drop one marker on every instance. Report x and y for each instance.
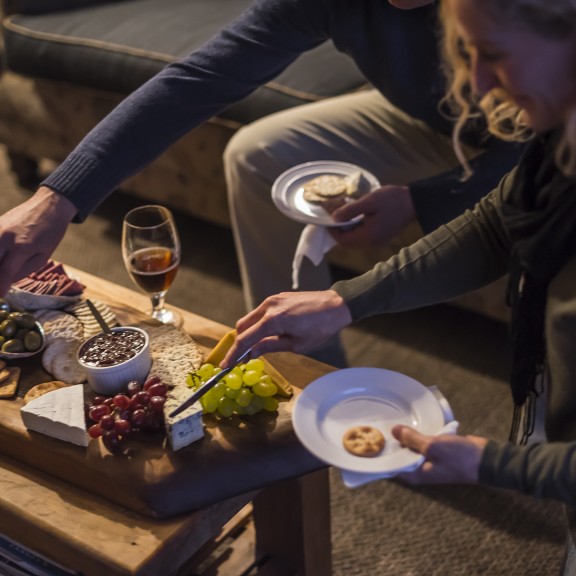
(151, 251)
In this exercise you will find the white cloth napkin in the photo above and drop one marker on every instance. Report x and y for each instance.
(355, 479)
(314, 243)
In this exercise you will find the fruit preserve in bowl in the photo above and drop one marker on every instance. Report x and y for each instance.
(111, 360)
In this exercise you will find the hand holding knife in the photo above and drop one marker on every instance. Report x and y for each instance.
(208, 385)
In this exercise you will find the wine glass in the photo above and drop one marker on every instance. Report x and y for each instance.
(151, 251)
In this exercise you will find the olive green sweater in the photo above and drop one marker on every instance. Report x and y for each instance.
(465, 254)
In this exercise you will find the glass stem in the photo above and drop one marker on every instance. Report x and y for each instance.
(157, 301)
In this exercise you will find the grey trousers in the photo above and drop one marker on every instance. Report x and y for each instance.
(363, 129)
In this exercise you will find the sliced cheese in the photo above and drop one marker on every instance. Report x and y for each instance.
(59, 414)
(219, 351)
(186, 427)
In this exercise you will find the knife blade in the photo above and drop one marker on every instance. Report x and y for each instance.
(208, 385)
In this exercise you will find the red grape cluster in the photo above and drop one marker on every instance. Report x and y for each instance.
(140, 409)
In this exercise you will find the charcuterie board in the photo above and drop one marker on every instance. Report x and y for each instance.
(236, 455)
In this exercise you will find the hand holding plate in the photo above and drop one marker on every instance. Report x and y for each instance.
(386, 211)
(449, 459)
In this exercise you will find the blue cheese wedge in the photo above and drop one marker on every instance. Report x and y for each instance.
(186, 427)
(59, 414)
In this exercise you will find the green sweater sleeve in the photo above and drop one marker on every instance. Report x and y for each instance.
(469, 252)
(540, 470)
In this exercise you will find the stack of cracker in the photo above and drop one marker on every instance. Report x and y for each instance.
(331, 191)
(64, 335)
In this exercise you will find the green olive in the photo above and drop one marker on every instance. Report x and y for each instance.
(13, 346)
(21, 334)
(32, 341)
(23, 319)
(8, 328)
(3, 315)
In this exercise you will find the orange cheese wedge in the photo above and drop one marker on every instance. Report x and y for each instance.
(219, 351)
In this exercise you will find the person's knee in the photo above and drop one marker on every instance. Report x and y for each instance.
(237, 150)
(249, 149)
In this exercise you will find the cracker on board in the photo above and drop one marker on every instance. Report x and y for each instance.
(58, 325)
(64, 335)
(90, 325)
(174, 353)
(60, 359)
(43, 388)
(365, 441)
(9, 386)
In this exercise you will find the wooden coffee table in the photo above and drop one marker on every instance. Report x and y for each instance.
(98, 537)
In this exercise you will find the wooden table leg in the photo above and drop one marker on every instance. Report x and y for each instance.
(292, 521)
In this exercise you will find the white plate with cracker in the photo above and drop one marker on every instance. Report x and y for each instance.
(289, 191)
(357, 397)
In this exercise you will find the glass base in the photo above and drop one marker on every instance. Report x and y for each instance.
(167, 316)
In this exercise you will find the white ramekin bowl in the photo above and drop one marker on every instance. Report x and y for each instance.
(110, 380)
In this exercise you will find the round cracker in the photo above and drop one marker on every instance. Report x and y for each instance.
(327, 186)
(60, 359)
(58, 325)
(43, 388)
(365, 441)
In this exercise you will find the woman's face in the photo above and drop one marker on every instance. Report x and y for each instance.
(538, 74)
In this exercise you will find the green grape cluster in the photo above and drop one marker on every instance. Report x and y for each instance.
(246, 389)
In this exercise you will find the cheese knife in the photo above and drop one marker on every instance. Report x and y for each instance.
(98, 316)
(208, 385)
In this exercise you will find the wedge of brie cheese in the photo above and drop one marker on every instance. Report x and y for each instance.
(186, 427)
(59, 414)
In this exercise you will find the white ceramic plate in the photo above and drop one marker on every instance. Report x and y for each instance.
(356, 396)
(288, 194)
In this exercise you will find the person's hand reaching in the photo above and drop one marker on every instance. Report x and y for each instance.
(290, 321)
(387, 211)
(449, 459)
(30, 232)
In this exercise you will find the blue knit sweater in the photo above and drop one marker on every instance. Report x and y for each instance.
(396, 50)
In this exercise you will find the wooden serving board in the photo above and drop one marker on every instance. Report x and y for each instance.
(235, 456)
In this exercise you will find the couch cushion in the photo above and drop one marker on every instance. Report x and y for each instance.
(44, 6)
(118, 46)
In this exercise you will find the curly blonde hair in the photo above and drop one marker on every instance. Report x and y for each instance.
(549, 18)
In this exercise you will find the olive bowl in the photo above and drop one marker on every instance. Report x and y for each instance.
(113, 379)
(18, 355)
